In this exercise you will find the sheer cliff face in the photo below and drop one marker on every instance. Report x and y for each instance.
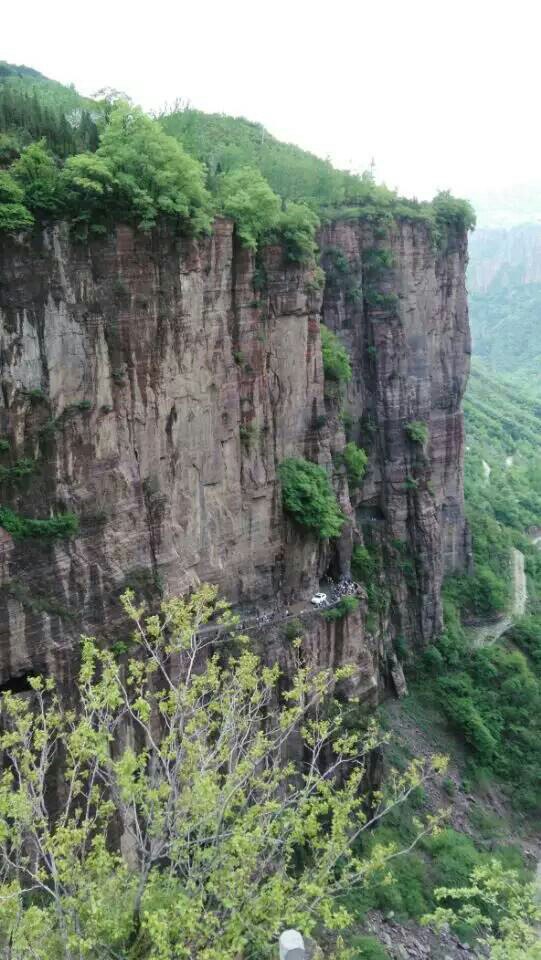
(401, 309)
(156, 385)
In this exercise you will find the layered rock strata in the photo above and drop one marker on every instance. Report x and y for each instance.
(152, 385)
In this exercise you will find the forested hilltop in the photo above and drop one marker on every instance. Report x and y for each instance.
(97, 162)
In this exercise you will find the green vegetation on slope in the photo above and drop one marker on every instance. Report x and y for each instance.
(503, 429)
(226, 852)
(33, 107)
(504, 911)
(137, 174)
(228, 143)
(502, 488)
(506, 327)
(97, 162)
(446, 858)
(492, 695)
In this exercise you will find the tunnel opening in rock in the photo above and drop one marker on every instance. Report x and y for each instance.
(370, 515)
(20, 683)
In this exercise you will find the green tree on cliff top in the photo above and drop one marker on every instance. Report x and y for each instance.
(14, 215)
(246, 196)
(152, 173)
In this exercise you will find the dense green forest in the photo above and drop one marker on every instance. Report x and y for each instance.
(33, 107)
(98, 162)
(226, 143)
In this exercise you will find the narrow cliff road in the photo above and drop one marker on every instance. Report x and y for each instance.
(490, 632)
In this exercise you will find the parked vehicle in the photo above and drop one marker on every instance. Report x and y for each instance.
(319, 599)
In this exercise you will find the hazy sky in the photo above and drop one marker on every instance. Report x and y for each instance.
(440, 94)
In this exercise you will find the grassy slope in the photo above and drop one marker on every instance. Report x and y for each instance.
(500, 721)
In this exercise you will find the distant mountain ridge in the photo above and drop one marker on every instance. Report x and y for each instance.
(501, 258)
(51, 93)
(504, 280)
(19, 70)
(509, 206)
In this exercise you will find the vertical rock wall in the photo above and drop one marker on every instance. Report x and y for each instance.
(400, 307)
(154, 385)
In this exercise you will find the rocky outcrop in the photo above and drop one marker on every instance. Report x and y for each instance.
(400, 307)
(411, 941)
(152, 385)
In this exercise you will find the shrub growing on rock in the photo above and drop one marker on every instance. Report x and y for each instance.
(452, 211)
(417, 431)
(364, 564)
(297, 226)
(344, 607)
(368, 948)
(308, 496)
(336, 363)
(355, 461)
(51, 528)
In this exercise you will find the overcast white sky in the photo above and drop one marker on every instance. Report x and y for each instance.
(441, 94)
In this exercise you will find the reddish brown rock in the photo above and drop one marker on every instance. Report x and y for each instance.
(400, 307)
(157, 384)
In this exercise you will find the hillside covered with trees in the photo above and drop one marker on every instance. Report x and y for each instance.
(97, 162)
(493, 695)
